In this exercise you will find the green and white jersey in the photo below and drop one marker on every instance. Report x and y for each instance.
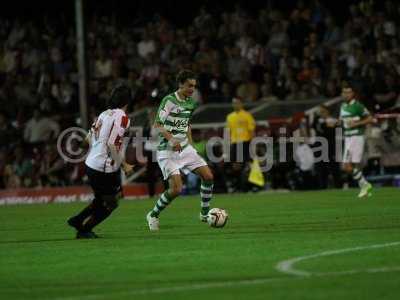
(353, 111)
(174, 114)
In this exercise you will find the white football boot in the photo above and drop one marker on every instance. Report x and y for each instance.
(154, 223)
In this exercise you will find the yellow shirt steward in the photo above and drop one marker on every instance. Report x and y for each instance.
(241, 125)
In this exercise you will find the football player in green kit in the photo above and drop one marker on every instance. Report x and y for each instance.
(354, 119)
(175, 151)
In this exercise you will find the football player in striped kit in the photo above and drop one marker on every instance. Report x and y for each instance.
(104, 162)
(354, 118)
(175, 152)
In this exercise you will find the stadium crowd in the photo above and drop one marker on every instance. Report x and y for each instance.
(270, 55)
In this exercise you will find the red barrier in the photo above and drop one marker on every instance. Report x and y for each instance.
(66, 194)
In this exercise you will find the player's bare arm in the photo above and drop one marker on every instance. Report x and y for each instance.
(119, 158)
(127, 168)
(363, 122)
(115, 154)
(88, 139)
(168, 136)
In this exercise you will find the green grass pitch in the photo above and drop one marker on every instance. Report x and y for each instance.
(350, 249)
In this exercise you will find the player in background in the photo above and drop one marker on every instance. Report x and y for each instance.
(104, 163)
(354, 119)
(175, 152)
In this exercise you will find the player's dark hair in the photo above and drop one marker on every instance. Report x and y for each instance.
(185, 75)
(355, 85)
(121, 95)
(347, 85)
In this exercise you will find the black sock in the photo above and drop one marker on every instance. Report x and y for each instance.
(99, 215)
(85, 213)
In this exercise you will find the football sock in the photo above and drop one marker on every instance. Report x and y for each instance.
(206, 190)
(85, 213)
(164, 200)
(99, 215)
(359, 177)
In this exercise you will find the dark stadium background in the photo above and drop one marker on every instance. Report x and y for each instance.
(181, 11)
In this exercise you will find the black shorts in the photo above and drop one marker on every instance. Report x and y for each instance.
(104, 183)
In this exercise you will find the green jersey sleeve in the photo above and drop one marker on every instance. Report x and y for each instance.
(164, 110)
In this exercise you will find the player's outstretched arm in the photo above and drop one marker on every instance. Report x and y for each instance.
(88, 138)
(168, 136)
(127, 168)
(363, 122)
(116, 156)
(165, 133)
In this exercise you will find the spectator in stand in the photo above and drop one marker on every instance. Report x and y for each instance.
(298, 30)
(9, 59)
(387, 93)
(103, 65)
(3, 163)
(286, 63)
(294, 92)
(237, 66)
(18, 171)
(52, 168)
(248, 90)
(22, 167)
(63, 91)
(7, 132)
(146, 46)
(216, 82)
(306, 72)
(151, 69)
(40, 129)
(11, 180)
(331, 89)
(332, 33)
(278, 39)
(267, 94)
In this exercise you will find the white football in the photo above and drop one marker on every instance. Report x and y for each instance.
(217, 217)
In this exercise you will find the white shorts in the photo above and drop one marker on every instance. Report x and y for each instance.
(171, 162)
(353, 149)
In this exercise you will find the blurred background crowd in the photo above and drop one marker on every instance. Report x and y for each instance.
(268, 54)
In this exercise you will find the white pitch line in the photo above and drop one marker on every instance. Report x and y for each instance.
(223, 284)
(351, 272)
(284, 266)
(287, 266)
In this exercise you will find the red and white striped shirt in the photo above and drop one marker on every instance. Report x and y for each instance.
(109, 129)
